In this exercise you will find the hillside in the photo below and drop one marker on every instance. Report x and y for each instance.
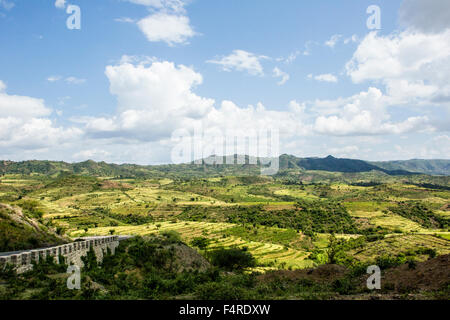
(287, 163)
(333, 164)
(21, 231)
(432, 167)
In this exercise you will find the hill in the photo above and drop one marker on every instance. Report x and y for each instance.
(21, 229)
(432, 167)
(333, 164)
(287, 162)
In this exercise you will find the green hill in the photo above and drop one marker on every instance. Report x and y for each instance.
(432, 167)
(287, 162)
(21, 228)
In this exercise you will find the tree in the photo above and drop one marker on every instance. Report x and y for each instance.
(334, 249)
(232, 259)
(90, 260)
(200, 242)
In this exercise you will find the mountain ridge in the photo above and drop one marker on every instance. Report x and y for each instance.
(286, 162)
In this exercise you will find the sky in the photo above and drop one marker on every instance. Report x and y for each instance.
(126, 81)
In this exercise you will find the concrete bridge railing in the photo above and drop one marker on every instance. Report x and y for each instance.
(72, 253)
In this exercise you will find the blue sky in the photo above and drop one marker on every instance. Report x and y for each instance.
(139, 70)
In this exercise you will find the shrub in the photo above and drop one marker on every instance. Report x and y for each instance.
(232, 259)
(171, 236)
(200, 242)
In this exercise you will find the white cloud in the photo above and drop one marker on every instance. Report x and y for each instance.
(2, 86)
(365, 114)
(23, 124)
(125, 20)
(328, 77)
(34, 133)
(425, 15)
(333, 40)
(170, 28)
(353, 38)
(241, 60)
(292, 57)
(281, 74)
(347, 151)
(74, 80)
(437, 147)
(154, 101)
(91, 154)
(60, 4)
(416, 66)
(162, 87)
(69, 80)
(21, 106)
(53, 78)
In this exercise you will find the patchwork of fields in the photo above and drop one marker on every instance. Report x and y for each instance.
(281, 224)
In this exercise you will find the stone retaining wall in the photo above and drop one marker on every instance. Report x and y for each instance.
(72, 253)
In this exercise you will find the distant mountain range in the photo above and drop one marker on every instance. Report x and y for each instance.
(287, 162)
(432, 167)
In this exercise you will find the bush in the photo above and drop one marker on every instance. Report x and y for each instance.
(232, 259)
(200, 242)
(171, 236)
(344, 286)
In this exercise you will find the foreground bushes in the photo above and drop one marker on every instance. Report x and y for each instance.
(232, 259)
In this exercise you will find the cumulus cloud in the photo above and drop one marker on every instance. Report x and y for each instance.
(24, 123)
(170, 28)
(241, 60)
(168, 22)
(365, 114)
(277, 73)
(21, 106)
(328, 77)
(416, 66)
(158, 99)
(152, 100)
(425, 15)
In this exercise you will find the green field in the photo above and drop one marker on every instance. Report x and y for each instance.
(280, 223)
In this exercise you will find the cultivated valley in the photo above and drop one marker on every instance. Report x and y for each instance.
(226, 232)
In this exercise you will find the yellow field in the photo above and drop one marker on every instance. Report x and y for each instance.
(268, 254)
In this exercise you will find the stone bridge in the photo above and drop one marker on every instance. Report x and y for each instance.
(72, 252)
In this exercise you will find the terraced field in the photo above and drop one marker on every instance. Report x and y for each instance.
(393, 245)
(268, 254)
(82, 206)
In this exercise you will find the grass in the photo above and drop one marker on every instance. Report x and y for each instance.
(72, 203)
(395, 244)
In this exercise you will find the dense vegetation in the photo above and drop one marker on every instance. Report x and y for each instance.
(20, 230)
(224, 231)
(420, 213)
(146, 269)
(331, 164)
